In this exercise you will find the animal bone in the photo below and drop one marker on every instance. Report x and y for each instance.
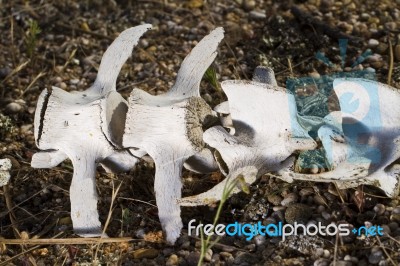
(87, 128)
(169, 128)
(5, 166)
(170, 135)
(267, 133)
(362, 146)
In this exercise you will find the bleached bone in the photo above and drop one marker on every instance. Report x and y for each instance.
(87, 128)
(262, 75)
(169, 128)
(170, 135)
(5, 167)
(267, 133)
(368, 156)
(225, 117)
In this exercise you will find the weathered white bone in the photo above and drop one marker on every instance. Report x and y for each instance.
(5, 167)
(225, 117)
(169, 128)
(87, 128)
(170, 135)
(267, 133)
(262, 75)
(368, 157)
(115, 57)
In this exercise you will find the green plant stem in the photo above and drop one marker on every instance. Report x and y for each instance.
(205, 244)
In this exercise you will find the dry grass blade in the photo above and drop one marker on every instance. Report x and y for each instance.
(38, 76)
(141, 201)
(16, 70)
(391, 61)
(110, 211)
(4, 241)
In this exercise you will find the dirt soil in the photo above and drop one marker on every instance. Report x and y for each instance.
(60, 43)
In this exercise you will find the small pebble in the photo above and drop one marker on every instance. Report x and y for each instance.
(382, 48)
(393, 226)
(250, 247)
(376, 255)
(379, 209)
(193, 258)
(327, 254)
(314, 75)
(395, 217)
(386, 229)
(257, 15)
(62, 85)
(396, 210)
(377, 64)
(58, 79)
(208, 255)
(319, 252)
(278, 208)
(343, 263)
(392, 26)
(326, 215)
(13, 108)
(321, 262)
(249, 5)
(306, 192)
(74, 81)
(320, 208)
(297, 212)
(259, 240)
(172, 260)
(289, 199)
(372, 43)
(185, 245)
(225, 255)
(4, 72)
(142, 253)
(274, 199)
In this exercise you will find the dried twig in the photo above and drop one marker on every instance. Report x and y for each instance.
(389, 78)
(4, 241)
(38, 76)
(385, 251)
(16, 70)
(10, 207)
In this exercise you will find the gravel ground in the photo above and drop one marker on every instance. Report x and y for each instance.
(66, 53)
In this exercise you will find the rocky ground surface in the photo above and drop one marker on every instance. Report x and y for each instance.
(60, 43)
